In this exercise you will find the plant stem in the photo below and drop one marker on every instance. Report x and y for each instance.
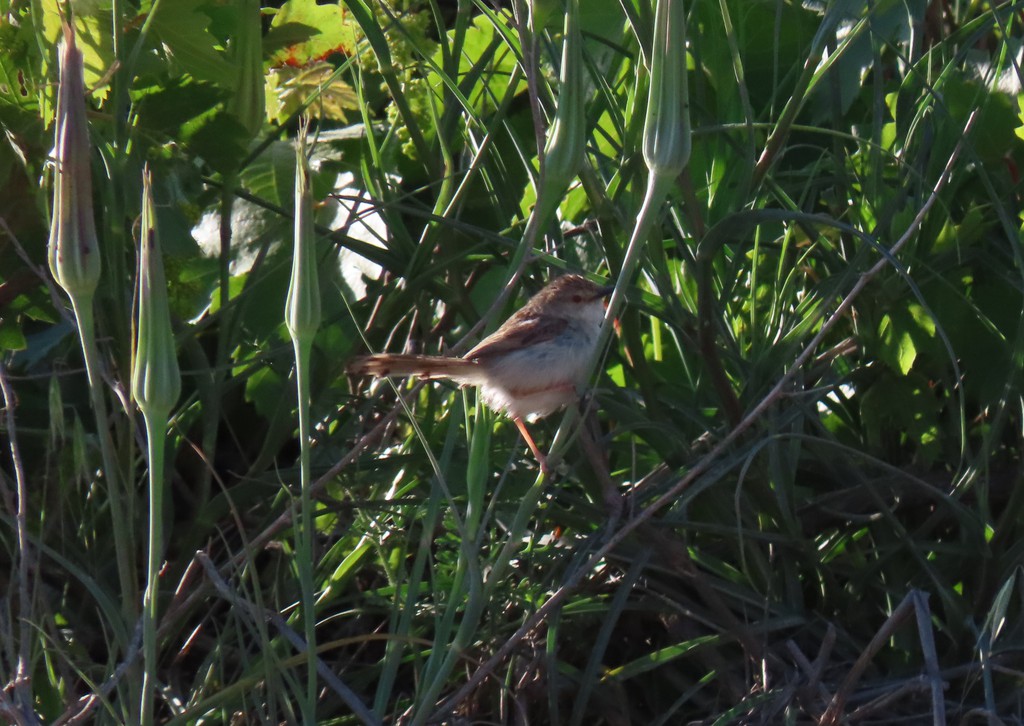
(156, 434)
(304, 534)
(657, 188)
(121, 525)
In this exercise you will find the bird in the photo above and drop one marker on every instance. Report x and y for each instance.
(530, 367)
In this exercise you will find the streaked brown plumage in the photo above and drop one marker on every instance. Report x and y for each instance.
(529, 367)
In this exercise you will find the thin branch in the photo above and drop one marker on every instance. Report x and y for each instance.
(890, 626)
(359, 709)
(80, 712)
(22, 679)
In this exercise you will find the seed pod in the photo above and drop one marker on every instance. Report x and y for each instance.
(156, 379)
(567, 138)
(249, 102)
(666, 143)
(302, 309)
(73, 249)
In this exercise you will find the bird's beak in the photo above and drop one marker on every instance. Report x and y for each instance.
(604, 292)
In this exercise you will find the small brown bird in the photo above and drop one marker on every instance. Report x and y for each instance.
(529, 367)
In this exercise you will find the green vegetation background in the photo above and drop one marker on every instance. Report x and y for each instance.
(819, 371)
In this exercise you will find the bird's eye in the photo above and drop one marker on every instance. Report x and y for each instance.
(577, 298)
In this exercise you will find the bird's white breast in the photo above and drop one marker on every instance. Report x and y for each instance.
(539, 379)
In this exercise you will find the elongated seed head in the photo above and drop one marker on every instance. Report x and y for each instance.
(73, 249)
(156, 378)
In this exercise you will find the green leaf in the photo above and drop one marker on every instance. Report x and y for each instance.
(264, 389)
(325, 27)
(994, 134)
(166, 108)
(923, 319)
(904, 332)
(289, 89)
(18, 85)
(11, 337)
(898, 349)
(183, 30)
(902, 410)
(957, 236)
(1019, 131)
(658, 658)
(92, 35)
(219, 138)
(271, 175)
(483, 52)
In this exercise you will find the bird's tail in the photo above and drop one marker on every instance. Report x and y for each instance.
(425, 366)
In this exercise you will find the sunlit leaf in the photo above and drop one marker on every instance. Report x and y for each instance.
(289, 89)
(309, 31)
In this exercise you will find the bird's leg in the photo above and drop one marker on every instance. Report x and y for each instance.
(541, 459)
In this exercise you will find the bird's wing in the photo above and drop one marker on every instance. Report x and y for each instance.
(518, 332)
